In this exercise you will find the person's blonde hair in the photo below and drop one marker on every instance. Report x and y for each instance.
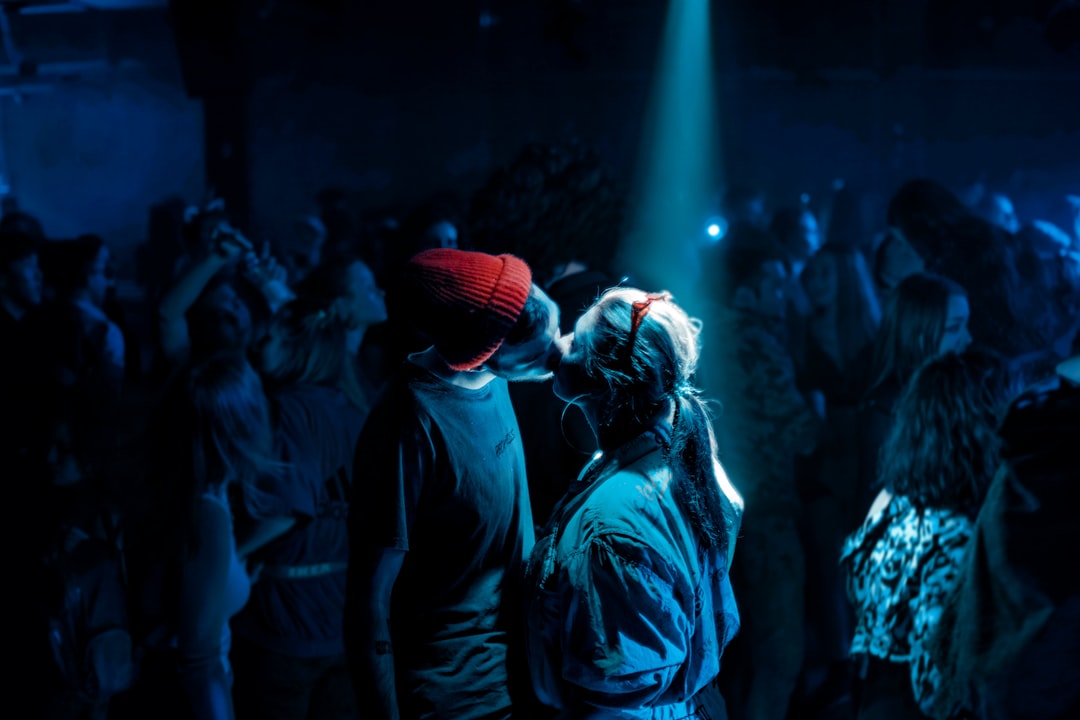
(316, 350)
(645, 348)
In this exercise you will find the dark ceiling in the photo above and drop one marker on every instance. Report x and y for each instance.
(225, 44)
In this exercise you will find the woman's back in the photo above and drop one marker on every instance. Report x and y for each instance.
(624, 550)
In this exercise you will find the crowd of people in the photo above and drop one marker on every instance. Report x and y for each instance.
(458, 463)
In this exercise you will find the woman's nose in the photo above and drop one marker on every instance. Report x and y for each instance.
(555, 353)
(562, 343)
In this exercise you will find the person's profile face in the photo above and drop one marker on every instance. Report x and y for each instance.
(1004, 214)
(534, 359)
(572, 383)
(24, 282)
(443, 234)
(272, 350)
(232, 315)
(755, 213)
(366, 302)
(899, 261)
(809, 236)
(956, 337)
(819, 280)
(772, 300)
(97, 278)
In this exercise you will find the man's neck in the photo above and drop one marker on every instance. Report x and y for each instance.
(431, 361)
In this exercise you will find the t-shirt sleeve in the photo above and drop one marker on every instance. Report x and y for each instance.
(392, 463)
(625, 632)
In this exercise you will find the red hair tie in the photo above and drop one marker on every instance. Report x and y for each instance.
(638, 310)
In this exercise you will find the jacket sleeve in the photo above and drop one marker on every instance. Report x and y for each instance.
(626, 625)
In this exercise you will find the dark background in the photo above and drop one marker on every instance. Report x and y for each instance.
(108, 106)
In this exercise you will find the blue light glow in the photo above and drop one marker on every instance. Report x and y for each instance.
(716, 229)
(678, 160)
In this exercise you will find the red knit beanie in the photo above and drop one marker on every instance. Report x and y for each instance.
(465, 302)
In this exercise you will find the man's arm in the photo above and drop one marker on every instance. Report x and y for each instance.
(172, 309)
(368, 641)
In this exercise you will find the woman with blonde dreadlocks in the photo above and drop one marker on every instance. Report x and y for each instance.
(628, 599)
(289, 654)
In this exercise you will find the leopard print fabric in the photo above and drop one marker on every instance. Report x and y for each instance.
(900, 566)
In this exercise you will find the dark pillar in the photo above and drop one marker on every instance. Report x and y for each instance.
(213, 42)
(228, 169)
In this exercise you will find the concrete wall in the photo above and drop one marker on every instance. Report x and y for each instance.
(397, 111)
(104, 132)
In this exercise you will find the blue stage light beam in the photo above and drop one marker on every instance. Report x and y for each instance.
(678, 162)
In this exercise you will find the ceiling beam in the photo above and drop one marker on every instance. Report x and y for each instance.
(56, 7)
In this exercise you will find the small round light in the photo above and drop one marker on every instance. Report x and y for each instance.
(716, 228)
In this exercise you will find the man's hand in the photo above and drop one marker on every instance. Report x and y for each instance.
(229, 243)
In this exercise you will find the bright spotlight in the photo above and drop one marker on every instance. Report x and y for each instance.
(716, 228)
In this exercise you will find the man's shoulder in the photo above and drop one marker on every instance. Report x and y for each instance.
(396, 396)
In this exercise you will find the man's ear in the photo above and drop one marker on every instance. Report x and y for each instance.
(745, 299)
(340, 309)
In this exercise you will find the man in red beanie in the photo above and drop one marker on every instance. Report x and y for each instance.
(440, 521)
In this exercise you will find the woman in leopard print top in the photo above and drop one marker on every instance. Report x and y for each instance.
(901, 564)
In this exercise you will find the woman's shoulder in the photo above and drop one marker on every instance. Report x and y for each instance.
(902, 528)
(628, 514)
(646, 478)
(910, 517)
(213, 500)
